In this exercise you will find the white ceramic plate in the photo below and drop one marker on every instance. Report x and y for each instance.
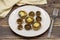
(31, 33)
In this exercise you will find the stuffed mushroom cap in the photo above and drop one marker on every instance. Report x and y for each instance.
(19, 21)
(36, 25)
(38, 18)
(20, 27)
(31, 13)
(22, 14)
(29, 20)
(38, 13)
(27, 26)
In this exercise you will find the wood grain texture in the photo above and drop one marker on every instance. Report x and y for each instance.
(7, 34)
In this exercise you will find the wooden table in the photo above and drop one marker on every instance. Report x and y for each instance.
(7, 34)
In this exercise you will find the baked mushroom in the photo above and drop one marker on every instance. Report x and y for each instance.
(27, 27)
(29, 20)
(38, 13)
(20, 27)
(31, 14)
(19, 21)
(36, 25)
(38, 18)
(22, 14)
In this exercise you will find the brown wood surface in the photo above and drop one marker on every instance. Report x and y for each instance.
(7, 34)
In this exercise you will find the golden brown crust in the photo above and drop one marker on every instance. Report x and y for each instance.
(38, 13)
(19, 21)
(38, 18)
(31, 13)
(20, 27)
(27, 27)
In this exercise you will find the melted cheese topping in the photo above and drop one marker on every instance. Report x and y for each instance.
(22, 14)
(29, 20)
(36, 24)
